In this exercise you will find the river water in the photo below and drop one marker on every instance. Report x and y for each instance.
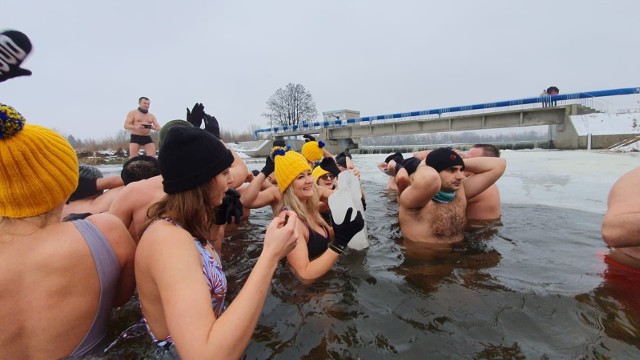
(534, 287)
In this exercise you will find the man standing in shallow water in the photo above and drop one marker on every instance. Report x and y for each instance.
(433, 194)
(140, 122)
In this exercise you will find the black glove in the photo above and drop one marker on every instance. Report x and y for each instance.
(211, 125)
(328, 164)
(17, 47)
(269, 166)
(345, 231)
(308, 138)
(230, 208)
(364, 204)
(195, 115)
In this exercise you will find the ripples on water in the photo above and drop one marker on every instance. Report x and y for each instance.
(532, 287)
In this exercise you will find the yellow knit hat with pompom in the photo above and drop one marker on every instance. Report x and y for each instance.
(312, 150)
(289, 164)
(38, 167)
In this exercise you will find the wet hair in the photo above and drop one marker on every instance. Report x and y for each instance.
(191, 209)
(139, 168)
(488, 149)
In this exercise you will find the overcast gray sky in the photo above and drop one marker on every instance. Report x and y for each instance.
(92, 60)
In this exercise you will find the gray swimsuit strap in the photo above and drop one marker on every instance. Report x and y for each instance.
(108, 268)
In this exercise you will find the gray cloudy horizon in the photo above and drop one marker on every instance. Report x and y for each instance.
(92, 61)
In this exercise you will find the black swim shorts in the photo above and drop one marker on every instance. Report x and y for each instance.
(140, 139)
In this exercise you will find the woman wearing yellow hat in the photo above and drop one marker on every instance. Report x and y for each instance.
(60, 280)
(319, 245)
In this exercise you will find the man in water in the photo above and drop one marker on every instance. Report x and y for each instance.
(433, 193)
(140, 122)
(485, 206)
(621, 223)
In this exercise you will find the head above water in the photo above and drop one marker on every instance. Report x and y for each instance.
(190, 157)
(443, 158)
(288, 165)
(139, 168)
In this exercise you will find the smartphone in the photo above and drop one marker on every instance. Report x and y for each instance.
(147, 126)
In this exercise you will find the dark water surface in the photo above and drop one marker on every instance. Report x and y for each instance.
(533, 287)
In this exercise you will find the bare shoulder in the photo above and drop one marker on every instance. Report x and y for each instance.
(115, 232)
(625, 192)
(164, 242)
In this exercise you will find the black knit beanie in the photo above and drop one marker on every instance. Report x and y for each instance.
(189, 157)
(443, 158)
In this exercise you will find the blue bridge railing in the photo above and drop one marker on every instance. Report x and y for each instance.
(439, 112)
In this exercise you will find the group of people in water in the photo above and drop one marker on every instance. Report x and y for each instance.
(75, 244)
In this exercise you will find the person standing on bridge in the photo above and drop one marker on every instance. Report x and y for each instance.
(552, 91)
(545, 100)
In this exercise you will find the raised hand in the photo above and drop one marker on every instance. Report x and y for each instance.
(281, 236)
(211, 125)
(269, 166)
(195, 115)
(17, 47)
(328, 164)
(345, 231)
(230, 209)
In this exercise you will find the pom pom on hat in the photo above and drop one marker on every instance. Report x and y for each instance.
(443, 158)
(38, 167)
(312, 150)
(289, 164)
(189, 157)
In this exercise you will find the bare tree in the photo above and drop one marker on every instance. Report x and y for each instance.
(291, 106)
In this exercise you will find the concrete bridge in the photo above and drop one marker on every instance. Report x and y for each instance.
(549, 110)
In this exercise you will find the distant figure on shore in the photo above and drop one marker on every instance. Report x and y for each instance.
(486, 206)
(433, 193)
(621, 223)
(59, 280)
(140, 122)
(552, 91)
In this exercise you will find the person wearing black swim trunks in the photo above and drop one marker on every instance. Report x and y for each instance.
(141, 122)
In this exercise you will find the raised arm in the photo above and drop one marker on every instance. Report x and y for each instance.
(417, 193)
(176, 269)
(486, 170)
(621, 223)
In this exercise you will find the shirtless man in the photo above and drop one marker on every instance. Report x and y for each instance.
(621, 223)
(140, 122)
(486, 206)
(433, 200)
